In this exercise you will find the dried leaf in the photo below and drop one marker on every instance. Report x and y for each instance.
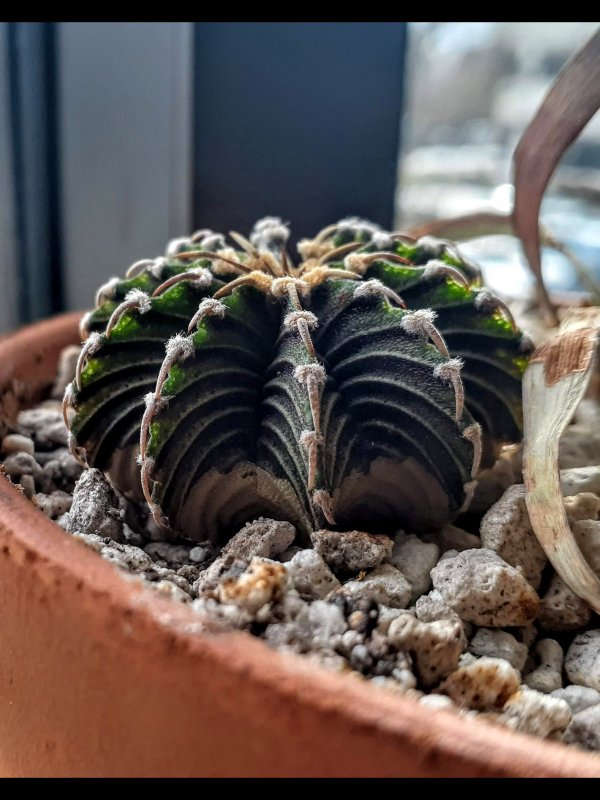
(553, 385)
(571, 102)
(466, 226)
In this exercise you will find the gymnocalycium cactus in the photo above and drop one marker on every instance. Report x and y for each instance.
(358, 389)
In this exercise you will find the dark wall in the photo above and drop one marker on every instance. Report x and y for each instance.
(298, 120)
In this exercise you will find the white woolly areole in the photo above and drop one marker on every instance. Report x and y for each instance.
(157, 267)
(306, 372)
(355, 262)
(306, 248)
(450, 373)
(69, 396)
(208, 307)
(138, 267)
(310, 439)
(435, 268)
(418, 323)
(92, 345)
(142, 300)
(357, 225)
(375, 288)
(280, 286)
(179, 347)
(213, 242)
(269, 233)
(212, 307)
(449, 369)
(229, 252)
(382, 240)
(149, 399)
(175, 246)
(292, 319)
(267, 222)
(203, 276)
(107, 291)
(222, 268)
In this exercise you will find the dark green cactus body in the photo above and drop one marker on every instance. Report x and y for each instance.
(307, 393)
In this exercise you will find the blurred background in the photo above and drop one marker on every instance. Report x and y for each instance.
(115, 137)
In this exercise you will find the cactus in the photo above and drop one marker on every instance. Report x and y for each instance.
(361, 388)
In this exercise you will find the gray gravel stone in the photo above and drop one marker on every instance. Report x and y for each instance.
(587, 536)
(579, 447)
(60, 470)
(578, 697)
(561, 609)
(484, 684)
(53, 505)
(219, 570)
(44, 424)
(327, 624)
(582, 662)
(262, 583)
(351, 551)
(484, 589)
(28, 484)
(584, 729)
(199, 554)
(265, 538)
(171, 553)
(535, 713)
(580, 479)
(17, 443)
(432, 607)
(506, 530)
(438, 702)
(18, 464)
(311, 576)
(385, 618)
(434, 646)
(583, 506)
(170, 589)
(95, 507)
(386, 585)
(499, 644)
(415, 559)
(547, 676)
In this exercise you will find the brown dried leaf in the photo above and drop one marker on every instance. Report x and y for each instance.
(553, 385)
(571, 102)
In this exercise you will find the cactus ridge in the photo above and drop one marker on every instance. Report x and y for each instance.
(362, 387)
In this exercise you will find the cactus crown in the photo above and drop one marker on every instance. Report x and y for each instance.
(360, 388)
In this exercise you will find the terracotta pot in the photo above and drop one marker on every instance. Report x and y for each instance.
(101, 676)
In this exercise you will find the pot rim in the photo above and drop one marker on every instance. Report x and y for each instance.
(26, 534)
